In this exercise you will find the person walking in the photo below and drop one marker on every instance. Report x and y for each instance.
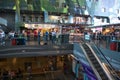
(39, 37)
(2, 37)
(58, 37)
(53, 37)
(46, 35)
(35, 35)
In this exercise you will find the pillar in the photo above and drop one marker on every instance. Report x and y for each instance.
(17, 16)
(45, 16)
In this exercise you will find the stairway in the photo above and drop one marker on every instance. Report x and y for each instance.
(95, 62)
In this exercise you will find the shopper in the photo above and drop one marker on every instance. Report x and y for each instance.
(50, 35)
(46, 35)
(58, 37)
(53, 37)
(2, 37)
(35, 35)
(28, 35)
(39, 33)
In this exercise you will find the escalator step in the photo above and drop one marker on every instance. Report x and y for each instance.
(97, 65)
(92, 58)
(95, 62)
(88, 52)
(101, 72)
(91, 55)
(103, 76)
(85, 47)
(98, 68)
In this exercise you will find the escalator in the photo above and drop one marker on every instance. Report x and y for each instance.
(106, 62)
(95, 63)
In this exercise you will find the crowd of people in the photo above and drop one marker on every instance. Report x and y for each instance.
(31, 35)
(53, 36)
(38, 35)
(98, 35)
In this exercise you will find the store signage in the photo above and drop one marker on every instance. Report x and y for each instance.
(87, 37)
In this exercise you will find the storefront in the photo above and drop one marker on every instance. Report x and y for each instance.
(98, 29)
(38, 64)
(42, 27)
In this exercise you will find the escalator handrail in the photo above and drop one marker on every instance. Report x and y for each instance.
(99, 51)
(111, 67)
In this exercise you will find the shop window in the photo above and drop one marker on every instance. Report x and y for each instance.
(30, 18)
(23, 18)
(36, 19)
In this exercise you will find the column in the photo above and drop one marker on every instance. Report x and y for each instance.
(17, 16)
(45, 16)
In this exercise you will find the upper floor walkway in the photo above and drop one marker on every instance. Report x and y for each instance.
(61, 45)
(32, 48)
